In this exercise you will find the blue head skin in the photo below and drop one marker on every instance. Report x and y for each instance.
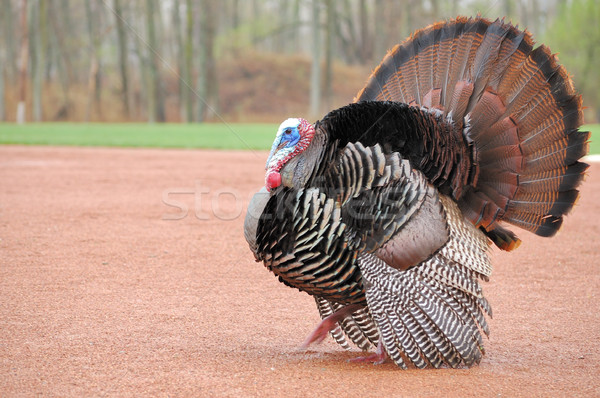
(287, 137)
(293, 137)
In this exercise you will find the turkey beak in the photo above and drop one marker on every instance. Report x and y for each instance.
(273, 152)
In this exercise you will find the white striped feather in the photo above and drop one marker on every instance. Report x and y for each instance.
(432, 313)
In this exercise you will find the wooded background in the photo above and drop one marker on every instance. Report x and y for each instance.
(238, 60)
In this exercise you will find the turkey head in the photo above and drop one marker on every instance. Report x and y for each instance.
(289, 162)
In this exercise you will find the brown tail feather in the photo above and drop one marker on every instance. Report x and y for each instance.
(519, 109)
(534, 203)
(554, 180)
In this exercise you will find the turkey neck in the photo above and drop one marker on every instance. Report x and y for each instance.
(433, 144)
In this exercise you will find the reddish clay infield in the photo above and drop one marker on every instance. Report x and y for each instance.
(124, 272)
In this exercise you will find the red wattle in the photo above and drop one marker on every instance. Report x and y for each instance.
(273, 180)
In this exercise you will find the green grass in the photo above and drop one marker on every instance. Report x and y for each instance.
(208, 135)
(595, 140)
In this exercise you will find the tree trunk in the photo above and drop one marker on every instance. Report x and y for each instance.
(64, 18)
(295, 33)
(284, 23)
(508, 8)
(365, 41)
(380, 23)
(156, 107)
(180, 57)
(140, 91)
(255, 16)
(315, 73)
(5, 47)
(235, 24)
(235, 14)
(21, 117)
(188, 63)
(409, 14)
(329, 32)
(2, 72)
(9, 41)
(122, 46)
(38, 27)
(455, 8)
(207, 78)
(64, 66)
(350, 41)
(535, 13)
(394, 33)
(94, 71)
(435, 9)
(151, 94)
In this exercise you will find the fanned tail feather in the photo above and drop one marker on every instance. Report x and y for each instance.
(518, 108)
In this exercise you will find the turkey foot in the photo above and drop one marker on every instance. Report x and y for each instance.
(378, 357)
(328, 324)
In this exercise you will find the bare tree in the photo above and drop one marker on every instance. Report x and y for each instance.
(535, 12)
(68, 31)
(9, 40)
(188, 63)
(184, 49)
(140, 90)
(295, 32)
(435, 8)
(280, 35)
(365, 37)
(94, 76)
(315, 72)
(354, 32)
(329, 36)
(21, 117)
(63, 60)
(207, 76)
(408, 17)
(4, 49)
(179, 50)
(395, 11)
(345, 32)
(509, 7)
(256, 12)
(156, 106)
(235, 14)
(119, 60)
(455, 7)
(122, 46)
(39, 44)
(380, 33)
(2, 85)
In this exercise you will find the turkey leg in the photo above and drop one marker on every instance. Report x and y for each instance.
(378, 357)
(328, 324)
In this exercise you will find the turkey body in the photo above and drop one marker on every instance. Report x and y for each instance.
(385, 209)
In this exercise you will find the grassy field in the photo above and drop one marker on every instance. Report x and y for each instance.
(209, 135)
(216, 136)
(595, 140)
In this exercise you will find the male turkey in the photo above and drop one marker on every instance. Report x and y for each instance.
(384, 210)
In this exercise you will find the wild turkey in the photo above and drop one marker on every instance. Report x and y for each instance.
(384, 210)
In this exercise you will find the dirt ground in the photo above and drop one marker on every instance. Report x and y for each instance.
(124, 272)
